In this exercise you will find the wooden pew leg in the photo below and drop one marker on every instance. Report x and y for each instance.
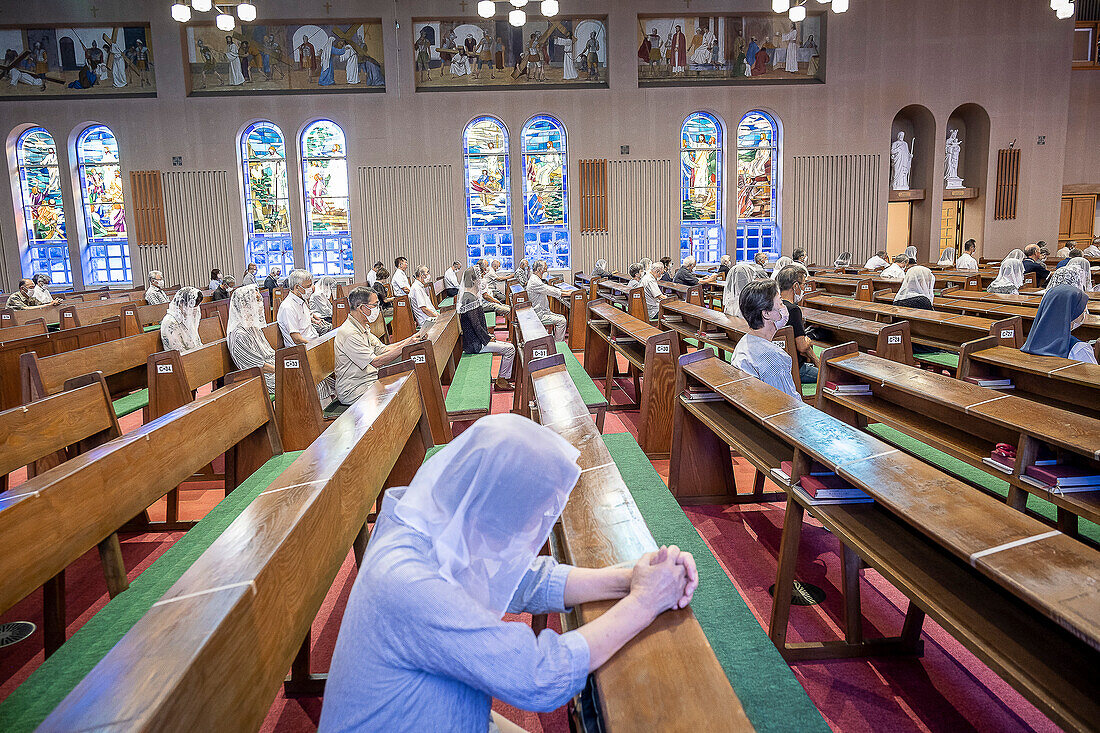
(301, 682)
(911, 629)
(172, 513)
(849, 579)
(53, 613)
(1067, 522)
(114, 570)
(784, 580)
(757, 496)
(359, 546)
(1017, 498)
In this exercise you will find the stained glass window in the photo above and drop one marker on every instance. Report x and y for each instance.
(488, 209)
(106, 251)
(325, 182)
(701, 231)
(43, 212)
(545, 204)
(266, 198)
(757, 183)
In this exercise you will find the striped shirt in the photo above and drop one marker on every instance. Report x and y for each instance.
(766, 361)
(248, 352)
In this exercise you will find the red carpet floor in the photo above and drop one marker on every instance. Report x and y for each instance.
(948, 689)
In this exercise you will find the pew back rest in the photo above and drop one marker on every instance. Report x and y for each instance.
(298, 370)
(36, 327)
(52, 519)
(211, 654)
(81, 314)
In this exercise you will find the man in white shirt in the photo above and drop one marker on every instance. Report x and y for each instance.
(420, 301)
(372, 274)
(400, 279)
(450, 281)
(896, 271)
(653, 293)
(494, 277)
(540, 294)
(877, 262)
(967, 261)
(490, 302)
(297, 322)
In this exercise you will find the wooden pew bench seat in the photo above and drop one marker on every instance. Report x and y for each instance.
(48, 685)
(469, 396)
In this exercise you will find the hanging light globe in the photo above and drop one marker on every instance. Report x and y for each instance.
(201, 5)
(224, 21)
(839, 6)
(781, 6)
(1066, 11)
(181, 12)
(486, 8)
(797, 14)
(518, 3)
(1057, 4)
(517, 18)
(246, 12)
(549, 8)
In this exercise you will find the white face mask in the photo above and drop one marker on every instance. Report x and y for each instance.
(784, 316)
(1080, 319)
(372, 314)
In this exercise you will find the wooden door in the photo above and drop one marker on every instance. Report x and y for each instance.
(1082, 216)
(1063, 220)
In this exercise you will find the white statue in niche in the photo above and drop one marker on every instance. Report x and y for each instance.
(901, 160)
(951, 161)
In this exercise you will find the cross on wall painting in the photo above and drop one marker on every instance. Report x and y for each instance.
(62, 62)
(760, 48)
(476, 53)
(284, 57)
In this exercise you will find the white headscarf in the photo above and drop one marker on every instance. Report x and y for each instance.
(321, 300)
(1091, 251)
(484, 528)
(1011, 273)
(325, 287)
(736, 279)
(918, 280)
(911, 252)
(780, 264)
(1075, 272)
(947, 257)
(843, 260)
(246, 309)
(179, 329)
(1016, 254)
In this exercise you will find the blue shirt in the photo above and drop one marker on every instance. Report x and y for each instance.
(416, 653)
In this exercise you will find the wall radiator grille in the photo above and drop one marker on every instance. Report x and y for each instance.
(836, 205)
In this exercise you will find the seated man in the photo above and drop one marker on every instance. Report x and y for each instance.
(896, 271)
(297, 322)
(540, 294)
(760, 263)
(400, 280)
(154, 294)
(1073, 252)
(420, 301)
(725, 264)
(967, 261)
(1034, 262)
(792, 284)
(799, 257)
(23, 299)
(359, 353)
(450, 281)
(653, 293)
(372, 273)
(756, 355)
(490, 303)
(877, 262)
(495, 278)
(249, 274)
(635, 273)
(225, 287)
(686, 274)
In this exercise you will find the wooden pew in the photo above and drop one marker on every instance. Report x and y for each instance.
(517, 295)
(657, 680)
(888, 340)
(714, 328)
(435, 361)
(37, 327)
(299, 368)
(83, 314)
(571, 304)
(403, 324)
(48, 344)
(53, 518)
(1063, 383)
(966, 421)
(212, 653)
(859, 288)
(122, 362)
(1023, 598)
(687, 293)
(1087, 331)
(146, 315)
(631, 300)
(648, 351)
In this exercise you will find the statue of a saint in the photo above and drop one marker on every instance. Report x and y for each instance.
(901, 161)
(951, 161)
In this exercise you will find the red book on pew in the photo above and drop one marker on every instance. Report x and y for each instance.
(830, 487)
(1065, 477)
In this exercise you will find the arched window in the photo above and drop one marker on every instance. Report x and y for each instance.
(545, 203)
(43, 212)
(266, 198)
(757, 184)
(325, 182)
(488, 207)
(701, 231)
(106, 250)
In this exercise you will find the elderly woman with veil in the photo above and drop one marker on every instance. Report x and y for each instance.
(245, 336)
(423, 646)
(320, 302)
(741, 275)
(179, 329)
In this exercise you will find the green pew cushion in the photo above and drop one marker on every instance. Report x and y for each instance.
(152, 327)
(131, 403)
(449, 300)
(809, 390)
(590, 393)
(818, 349)
(771, 695)
(491, 321)
(336, 408)
(972, 475)
(942, 358)
(469, 390)
(56, 677)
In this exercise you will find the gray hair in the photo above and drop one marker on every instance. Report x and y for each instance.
(298, 277)
(538, 266)
(229, 280)
(422, 270)
(156, 275)
(689, 262)
(657, 267)
(360, 296)
(726, 259)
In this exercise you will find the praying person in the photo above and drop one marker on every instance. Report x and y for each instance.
(540, 294)
(844, 260)
(23, 298)
(423, 645)
(947, 258)
(359, 353)
(755, 354)
(400, 280)
(1010, 278)
(600, 269)
(724, 265)
(917, 289)
(1034, 262)
(249, 274)
(297, 322)
(635, 273)
(741, 275)
(179, 329)
(244, 334)
(967, 261)
(154, 294)
(41, 292)
(896, 271)
(320, 302)
(1062, 309)
(792, 285)
(476, 338)
(225, 287)
(450, 281)
(420, 301)
(760, 263)
(215, 278)
(686, 274)
(877, 262)
(650, 283)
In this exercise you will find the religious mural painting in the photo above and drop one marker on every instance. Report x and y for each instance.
(760, 48)
(478, 53)
(284, 57)
(63, 62)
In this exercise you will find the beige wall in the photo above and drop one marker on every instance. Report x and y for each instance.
(882, 56)
(1083, 136)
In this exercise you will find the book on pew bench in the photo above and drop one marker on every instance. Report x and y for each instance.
(1062, 478)
(700, 394)
(713, 334)
(834, 388)
(829, 487)
(1008, 464)
(816, 469)
(812, 501)
(992, 383)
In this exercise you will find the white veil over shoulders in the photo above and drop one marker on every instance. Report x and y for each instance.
(918, 280)
(741, 275)
(246, 309)
(485, 521)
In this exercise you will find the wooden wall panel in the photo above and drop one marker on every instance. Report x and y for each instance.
(836, 205)
(593, 190)
(200, 234)
(1008, 179)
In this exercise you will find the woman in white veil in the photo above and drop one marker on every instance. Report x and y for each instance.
(1016, 254)
(1010, 278)
(179, 329)
(947, 257)
(247, 344)
(422, 644)
(780, 264)
(741, 275)
(320, 302)
(918, 286)
(911, 253)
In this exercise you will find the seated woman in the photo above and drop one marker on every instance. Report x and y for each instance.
(635, 271)
(422, 645)
(244, 334)
(763, 310)
(1093, 250)
(916, 289)
(947, 257)
(1010, 278)
(1082, 268)
(911, 254)
(843, 260)
(476, 338)
(1016, 254)
(1061, 310)
(179, 329)
(320, 302)
(600, 269)
(736, 279)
